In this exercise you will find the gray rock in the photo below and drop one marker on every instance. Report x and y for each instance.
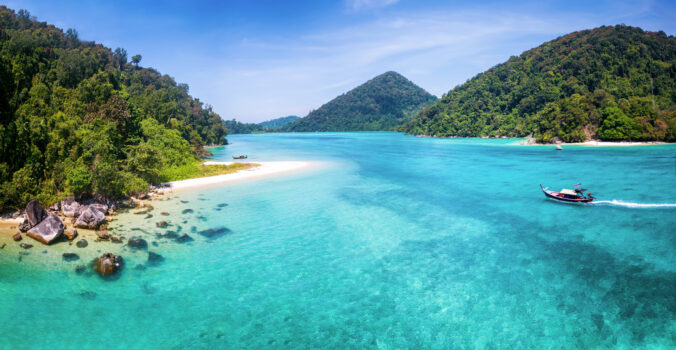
(26, 245)
(70, 207)
(90, 218)
(82, 243)
(35, 213)
(24, 226)
(16, 237)
(48, 230)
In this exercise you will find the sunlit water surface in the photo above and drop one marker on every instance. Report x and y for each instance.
(392, 242)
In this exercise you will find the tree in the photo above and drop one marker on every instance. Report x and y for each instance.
(120, 55)
(136, 59)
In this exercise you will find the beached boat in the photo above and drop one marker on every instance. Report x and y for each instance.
(559, 148)
(240, 157)
(575, 196)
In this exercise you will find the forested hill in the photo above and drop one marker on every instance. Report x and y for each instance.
(382, 103)
(79, 118)
(273, 125)
(278, 122)
(608, 83)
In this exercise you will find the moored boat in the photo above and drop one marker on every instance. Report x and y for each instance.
(240, 157)
(574, 196)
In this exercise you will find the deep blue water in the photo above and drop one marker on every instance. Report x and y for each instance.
(392, 242)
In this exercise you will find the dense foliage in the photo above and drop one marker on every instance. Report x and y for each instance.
(77, 118)
(236, 127)
(382, 103)
(610, 83)
(278, 122)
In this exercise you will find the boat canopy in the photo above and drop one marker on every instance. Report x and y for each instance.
(567, 191)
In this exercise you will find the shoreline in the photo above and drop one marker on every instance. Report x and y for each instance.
(261, 170)
(527, 142)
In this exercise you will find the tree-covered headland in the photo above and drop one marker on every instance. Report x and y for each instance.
(77, 118)
(614, 83)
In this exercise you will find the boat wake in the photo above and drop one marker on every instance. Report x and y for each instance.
(636, 205)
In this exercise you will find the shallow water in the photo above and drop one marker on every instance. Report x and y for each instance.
(395, 242)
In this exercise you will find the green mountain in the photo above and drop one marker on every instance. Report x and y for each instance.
(78, 118)
(278, 122)
(382, 103)
(608, 83)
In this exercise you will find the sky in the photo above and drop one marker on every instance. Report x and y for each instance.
(258, 60)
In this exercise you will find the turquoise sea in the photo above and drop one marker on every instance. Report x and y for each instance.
(391, 242)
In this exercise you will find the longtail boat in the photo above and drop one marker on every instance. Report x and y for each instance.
(240, 157)
(575, 196)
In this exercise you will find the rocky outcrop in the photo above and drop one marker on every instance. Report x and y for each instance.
(48, 230)
(137, 243)
(35, 213)
(70, 207)
(108, 264)
(90, 218)
(17, 237)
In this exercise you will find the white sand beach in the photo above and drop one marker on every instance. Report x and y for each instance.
(264, 169)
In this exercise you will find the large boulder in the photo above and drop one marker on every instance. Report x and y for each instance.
(35, 213)
(90, 218)
(48, 230)
(108, 264)
(70, 207)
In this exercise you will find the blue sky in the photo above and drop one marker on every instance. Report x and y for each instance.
(258, 60)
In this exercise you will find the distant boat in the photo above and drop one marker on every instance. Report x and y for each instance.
(559, 148)
(576, 196)
(240, 157)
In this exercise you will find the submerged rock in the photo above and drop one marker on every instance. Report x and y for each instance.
(48, 230)
(140, 267)
(82, 243)
(103, 235)
(222, 205)
(184, 239)
(88, 295)
(108, 264)
(162, 224)
(69, 256)
(215, 232)
(35, 213)
(17, 237)
(90, 218)
(164, 213)
(154, 259)
(80, 269)
(187, 211)
(26, 245)
(137, 243)
(115, 239)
